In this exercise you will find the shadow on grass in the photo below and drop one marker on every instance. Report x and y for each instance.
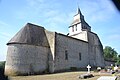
(2, 76)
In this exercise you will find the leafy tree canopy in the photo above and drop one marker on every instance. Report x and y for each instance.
(110, 53)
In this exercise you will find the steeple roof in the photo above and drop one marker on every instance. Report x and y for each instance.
(78, 17)
(78, 11)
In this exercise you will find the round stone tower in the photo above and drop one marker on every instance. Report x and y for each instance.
(27, 52)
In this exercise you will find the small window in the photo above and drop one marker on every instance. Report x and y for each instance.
(26, 51)
(79, 56)
(66, 55)
(72, 28)
(76, 27)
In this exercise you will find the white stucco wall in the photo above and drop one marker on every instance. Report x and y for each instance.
(81, 35)
(73, 47)
(76, 31)
(26, 59)
(76, 17)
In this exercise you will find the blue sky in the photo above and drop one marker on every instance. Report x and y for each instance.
(57, 15)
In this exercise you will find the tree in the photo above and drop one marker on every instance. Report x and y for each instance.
(118, 61)
(2, 64)
(110, 53)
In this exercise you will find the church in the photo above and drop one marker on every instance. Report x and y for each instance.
(34, 50)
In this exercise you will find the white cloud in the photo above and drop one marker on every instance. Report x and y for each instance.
(6, 35)
(33, 3)
(35, 9)
(99, 10)
(57, 21)
(57, 18)
(2, 24)
(49, 14)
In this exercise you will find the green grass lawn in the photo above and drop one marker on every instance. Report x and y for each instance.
(59, 76)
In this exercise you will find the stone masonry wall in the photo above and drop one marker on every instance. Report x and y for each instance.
(26, 59)
(95, 50)
(74, 47)
(51, 40)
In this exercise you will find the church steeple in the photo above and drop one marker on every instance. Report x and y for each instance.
(78, 24)
(78, 17)
(78, 11)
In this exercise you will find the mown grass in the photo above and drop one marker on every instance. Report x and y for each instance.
(59, 76)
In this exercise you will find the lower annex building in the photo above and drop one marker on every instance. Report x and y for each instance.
(35, 50)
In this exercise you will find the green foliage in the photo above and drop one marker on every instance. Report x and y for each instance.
(110, 53)
(2, 64)
(118, 60)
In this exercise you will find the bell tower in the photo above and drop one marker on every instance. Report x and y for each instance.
(78, 26)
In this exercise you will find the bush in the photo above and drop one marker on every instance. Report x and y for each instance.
(2, 64)
(73, 68)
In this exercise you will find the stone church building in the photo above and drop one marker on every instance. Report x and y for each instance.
(36, 50)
